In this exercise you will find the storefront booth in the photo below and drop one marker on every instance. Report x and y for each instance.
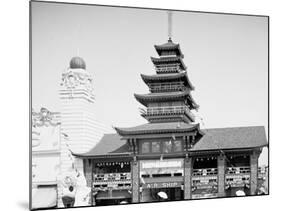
(161, 180)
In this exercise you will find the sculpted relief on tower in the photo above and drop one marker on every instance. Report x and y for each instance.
(73, 79)
(76, 76)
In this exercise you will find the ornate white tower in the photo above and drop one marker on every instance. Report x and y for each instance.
(80, 131)
(79, 127)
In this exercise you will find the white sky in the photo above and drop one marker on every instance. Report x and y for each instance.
(226, 56)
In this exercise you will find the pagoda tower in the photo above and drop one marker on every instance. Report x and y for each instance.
(171, 129)
(170, 97)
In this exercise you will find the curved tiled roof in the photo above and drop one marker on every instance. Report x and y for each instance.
(167, 77)
(168, 59)
(156, 128)
(231, 138)
(212, 140)
(166, 96)
(110, 144)
(168, 46)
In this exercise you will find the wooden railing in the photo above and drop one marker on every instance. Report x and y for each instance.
(112, 177)
(159, 87)
(169, 68)
(238, 170)
(168, 110)
(204, 178)
(205, 172)
(237, 176)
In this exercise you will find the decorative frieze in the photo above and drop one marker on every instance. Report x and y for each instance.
(44, 118)
(76, 78)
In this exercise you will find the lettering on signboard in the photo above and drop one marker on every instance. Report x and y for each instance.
(162, 185)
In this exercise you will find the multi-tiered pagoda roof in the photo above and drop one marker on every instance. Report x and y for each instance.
(169, 104)
(145, 99)
(168, 77)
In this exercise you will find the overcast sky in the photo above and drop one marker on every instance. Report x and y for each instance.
(226, 56)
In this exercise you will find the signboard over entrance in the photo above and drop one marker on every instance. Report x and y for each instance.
(162, 185)
(172, 163)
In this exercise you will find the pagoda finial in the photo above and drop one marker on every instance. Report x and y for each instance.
(169, 25)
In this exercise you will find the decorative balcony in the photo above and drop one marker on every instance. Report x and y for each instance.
(168, 68)
(205, 172)
(204, 181)
(238, 170)
(112, 179)
(166, 110)
(237, 176)
(167, 87)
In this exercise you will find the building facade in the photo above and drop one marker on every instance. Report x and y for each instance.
(170, 157)
(45, 157)
(56, 173)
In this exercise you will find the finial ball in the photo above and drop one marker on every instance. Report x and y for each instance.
(77, 63)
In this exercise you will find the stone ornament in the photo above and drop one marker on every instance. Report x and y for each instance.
(43, 118)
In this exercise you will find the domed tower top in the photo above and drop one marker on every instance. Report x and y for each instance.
(77, 63)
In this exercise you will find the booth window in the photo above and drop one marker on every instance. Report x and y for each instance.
(177, 146)
(145, 147)
(167, 146)
(155, 146)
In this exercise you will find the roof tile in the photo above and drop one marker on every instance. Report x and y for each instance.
(231, 138)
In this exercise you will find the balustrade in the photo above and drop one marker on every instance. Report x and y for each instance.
(168, 68)
(159, 87)
(112, 177)
(205, 172)
(204, 178)
(166, 110)
(238, 170)
(237, 176)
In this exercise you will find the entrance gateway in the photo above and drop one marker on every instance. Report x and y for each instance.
(161, 180)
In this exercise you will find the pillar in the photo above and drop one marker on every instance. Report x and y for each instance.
(135, 181)
(88, 168)
(187, 177)
(221, 175)
(254, 172)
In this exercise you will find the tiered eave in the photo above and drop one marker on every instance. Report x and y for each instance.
(169, 77)
(145, 99)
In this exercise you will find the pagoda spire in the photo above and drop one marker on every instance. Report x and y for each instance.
(169, 25)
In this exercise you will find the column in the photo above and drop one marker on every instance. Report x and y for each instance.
(88, 168)
(93, 201)
(187, 177)
(254, 157)
(135, 181)
(221, 175)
